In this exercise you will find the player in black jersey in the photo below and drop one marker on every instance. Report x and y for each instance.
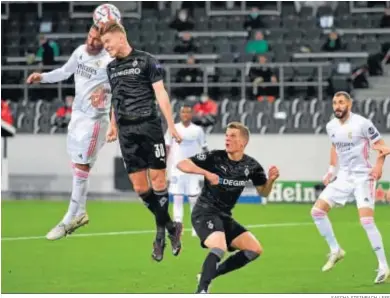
(226, 172)
(136, 80)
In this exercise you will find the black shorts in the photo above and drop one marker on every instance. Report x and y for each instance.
(206, 222)
(142, 145)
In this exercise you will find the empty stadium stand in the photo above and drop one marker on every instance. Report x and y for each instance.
(305, 79)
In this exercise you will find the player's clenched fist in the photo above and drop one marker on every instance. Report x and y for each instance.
(212, 178)
(34, 78)
(273, 173)
(112, 134)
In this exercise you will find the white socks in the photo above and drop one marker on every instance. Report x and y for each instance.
(178, 208)
(375, 239)
(79, 195)
(324, 226)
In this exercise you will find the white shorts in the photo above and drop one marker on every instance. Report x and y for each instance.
(184, 184)
(86, 137)
(345, 189)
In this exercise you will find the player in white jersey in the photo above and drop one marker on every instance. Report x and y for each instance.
(352, 136)
(182, 184)
(89, 122)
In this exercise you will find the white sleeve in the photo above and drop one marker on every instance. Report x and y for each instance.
(63, 73)
(370, 132)
(202, 139)
(168, 139)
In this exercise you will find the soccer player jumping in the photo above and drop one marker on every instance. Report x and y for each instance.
(226, 172)
(351, 136)
(89, 121)
(136, 79)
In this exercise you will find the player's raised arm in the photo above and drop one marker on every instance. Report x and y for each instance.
(198, 165)
(56, 75)
(260, 181)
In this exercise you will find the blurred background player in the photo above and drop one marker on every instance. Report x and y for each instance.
(351, 136)
(89, 121)
(193, 142)
(226, 172)
(136, 79)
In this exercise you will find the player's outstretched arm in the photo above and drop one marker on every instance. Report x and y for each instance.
(166, 108)
(56, 75)
(189, 167)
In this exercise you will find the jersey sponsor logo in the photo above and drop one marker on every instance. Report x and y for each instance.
(344, 146)
(85, 71)
(126, 72)
(231, 182)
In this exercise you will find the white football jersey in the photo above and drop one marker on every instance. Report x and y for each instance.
(90, 74)
(352, 141)
(193, 141)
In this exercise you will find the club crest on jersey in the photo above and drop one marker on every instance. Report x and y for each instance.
(371, 130)
(201, 156)
(98, 63)
(246, 172)
(135, 63)
(350, 135)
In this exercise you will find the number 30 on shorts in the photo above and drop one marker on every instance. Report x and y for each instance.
(159, 150)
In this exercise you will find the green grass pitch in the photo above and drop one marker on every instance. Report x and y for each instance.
(121, 263)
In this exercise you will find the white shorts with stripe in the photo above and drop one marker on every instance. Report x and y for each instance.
(86, 137)
(347, 187)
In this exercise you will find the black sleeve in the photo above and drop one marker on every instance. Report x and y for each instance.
(155, 70)
(258, 176)
(203, 160)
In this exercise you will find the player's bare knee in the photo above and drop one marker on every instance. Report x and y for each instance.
(158, 179)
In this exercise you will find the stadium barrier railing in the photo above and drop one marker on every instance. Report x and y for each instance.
(243, 83)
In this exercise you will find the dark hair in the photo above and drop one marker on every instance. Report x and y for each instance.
(186, 106)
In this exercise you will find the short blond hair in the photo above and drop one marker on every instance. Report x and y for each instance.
(111, 26)
(244, 130)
